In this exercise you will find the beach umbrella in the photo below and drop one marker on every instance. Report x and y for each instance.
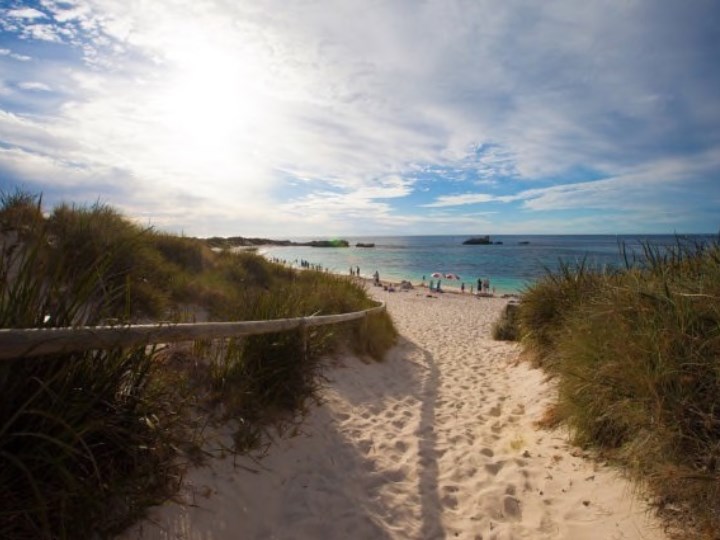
(452, 276)
(436, 275)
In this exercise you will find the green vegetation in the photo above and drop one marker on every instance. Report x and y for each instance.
(506, 327)
(89, 440)
(636, 353)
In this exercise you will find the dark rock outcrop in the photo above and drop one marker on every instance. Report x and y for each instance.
(478, 241)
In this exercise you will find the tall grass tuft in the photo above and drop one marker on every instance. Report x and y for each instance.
(548, 304)
(86, 439)
(637, 354)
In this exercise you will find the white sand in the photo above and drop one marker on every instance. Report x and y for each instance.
(436, 442)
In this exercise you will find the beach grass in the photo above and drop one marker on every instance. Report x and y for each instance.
(636, 352)
(89, 440)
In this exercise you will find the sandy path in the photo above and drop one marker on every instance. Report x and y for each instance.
(436, 442)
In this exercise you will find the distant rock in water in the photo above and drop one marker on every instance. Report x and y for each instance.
(477, 241)
(361, 244)
(326, 243)
(523, 243)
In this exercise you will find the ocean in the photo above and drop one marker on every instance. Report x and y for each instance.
(510, 266)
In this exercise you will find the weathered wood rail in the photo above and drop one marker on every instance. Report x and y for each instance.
(29, 342)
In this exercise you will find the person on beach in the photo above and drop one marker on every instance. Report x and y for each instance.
(437, 288)
(430, 287)
(479, 285)
(352, 272)
(462, 287)
(486, 285)
(357, 271)
(377, 277)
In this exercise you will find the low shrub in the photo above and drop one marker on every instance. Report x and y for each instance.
(187, 254)
(268, 377)
(506, 328)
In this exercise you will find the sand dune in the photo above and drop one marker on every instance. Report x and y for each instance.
(436, 442)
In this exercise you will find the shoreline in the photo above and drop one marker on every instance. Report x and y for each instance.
(503, 285)
(446, 287)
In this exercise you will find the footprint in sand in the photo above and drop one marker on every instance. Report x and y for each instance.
(511, 507)
(519, 409)
(365, 445)
(399, 424)
(395, 476)
(450, 501)
(494, 468)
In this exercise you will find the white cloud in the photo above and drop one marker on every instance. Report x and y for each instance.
(34, 86)
(26, 13)
(637, 187)
(42, 32)
(459, 200)
(35, 167)
(19, 57)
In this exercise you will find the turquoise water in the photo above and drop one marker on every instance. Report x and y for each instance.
(510, 266)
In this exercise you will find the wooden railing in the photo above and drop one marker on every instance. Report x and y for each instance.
(28, 342)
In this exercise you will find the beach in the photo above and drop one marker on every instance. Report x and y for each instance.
(438, 441)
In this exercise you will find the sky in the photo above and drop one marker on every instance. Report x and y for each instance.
(285, 118)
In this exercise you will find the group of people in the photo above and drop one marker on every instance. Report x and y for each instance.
(307, 264)
(483, 285)
(355, 271)
(434, 287)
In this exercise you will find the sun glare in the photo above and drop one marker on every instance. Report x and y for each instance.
(210, 105)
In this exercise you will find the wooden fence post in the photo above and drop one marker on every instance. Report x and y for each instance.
(304, 338)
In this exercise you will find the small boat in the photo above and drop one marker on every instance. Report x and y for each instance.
(361, 244)
(523, 243)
